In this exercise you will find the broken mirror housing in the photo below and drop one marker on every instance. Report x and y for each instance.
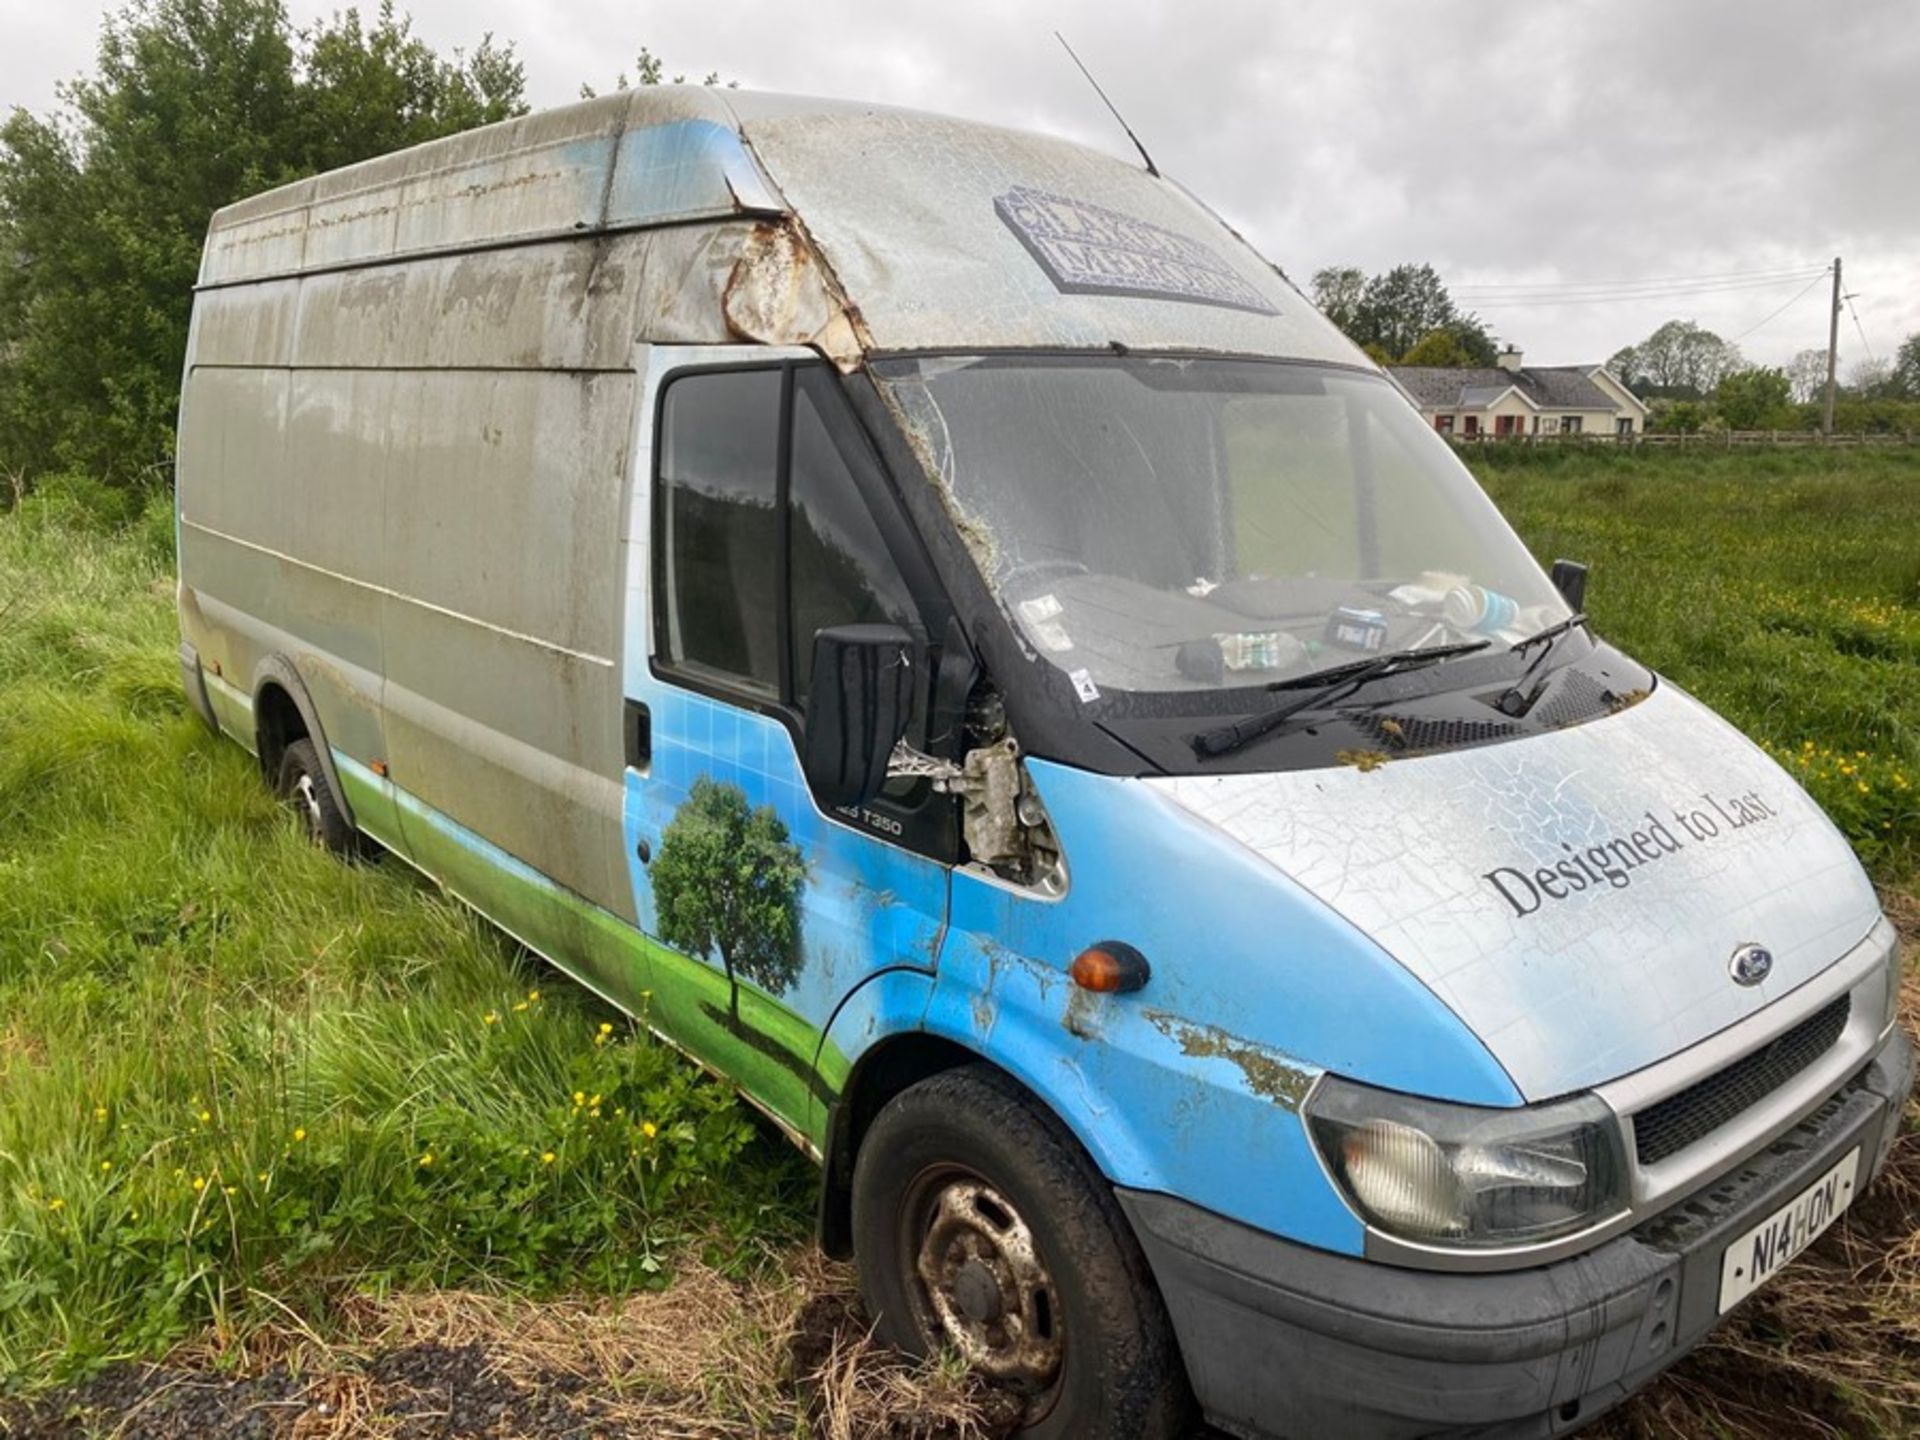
(1466, 1177)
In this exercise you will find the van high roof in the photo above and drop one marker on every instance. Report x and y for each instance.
(871, 229)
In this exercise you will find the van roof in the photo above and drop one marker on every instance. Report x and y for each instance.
(933, 233)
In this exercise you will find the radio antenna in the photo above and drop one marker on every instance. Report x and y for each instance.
(1152, 169)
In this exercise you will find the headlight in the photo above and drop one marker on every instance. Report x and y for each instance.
(1460, 1177)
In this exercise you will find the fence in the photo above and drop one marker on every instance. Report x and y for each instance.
(1704, 439)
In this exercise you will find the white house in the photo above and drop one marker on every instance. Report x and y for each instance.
(1512, 399)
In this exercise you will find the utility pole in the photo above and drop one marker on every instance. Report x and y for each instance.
(1833, 347)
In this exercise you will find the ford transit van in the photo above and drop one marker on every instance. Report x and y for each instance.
(1032, 706)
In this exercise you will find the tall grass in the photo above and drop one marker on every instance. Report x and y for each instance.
(240, 1080)
(1781, 587)
(236, 1075)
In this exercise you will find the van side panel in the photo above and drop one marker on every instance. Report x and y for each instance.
(267, 463)
(502, 537)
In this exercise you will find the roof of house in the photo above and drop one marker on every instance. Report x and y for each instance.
(1547, 387)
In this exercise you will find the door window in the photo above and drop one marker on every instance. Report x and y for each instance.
(763, 535)
(718, 528)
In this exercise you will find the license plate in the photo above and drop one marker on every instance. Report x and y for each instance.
(1760, 1254)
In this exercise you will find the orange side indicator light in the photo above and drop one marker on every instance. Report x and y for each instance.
(379, 767)
(1110, 967)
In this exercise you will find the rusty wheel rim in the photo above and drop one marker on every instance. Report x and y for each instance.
(983, 1287)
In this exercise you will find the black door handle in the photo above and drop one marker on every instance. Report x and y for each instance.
(639, 735)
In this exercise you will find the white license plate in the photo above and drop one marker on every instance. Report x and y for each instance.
(1763, 1252)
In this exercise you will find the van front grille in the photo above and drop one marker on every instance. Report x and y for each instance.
(1671, 1125)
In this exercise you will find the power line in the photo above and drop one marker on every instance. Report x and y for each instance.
(1783, 309)
(1619, 297)
(1550, 287)
(1861, 329)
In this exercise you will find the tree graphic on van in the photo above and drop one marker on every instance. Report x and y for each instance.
(727, 878)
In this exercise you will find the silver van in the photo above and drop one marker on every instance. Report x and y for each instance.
(932, 622)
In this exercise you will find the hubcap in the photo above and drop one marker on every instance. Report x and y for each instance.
(306, 800)
(987, 1289)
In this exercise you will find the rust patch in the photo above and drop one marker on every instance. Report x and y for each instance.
(1617, 703)
(1362, 760)
(1268, 1073)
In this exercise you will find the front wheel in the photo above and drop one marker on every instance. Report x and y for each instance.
(981, 1227)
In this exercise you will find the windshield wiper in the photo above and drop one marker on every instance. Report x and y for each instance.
(1514, 699)
(1321, 686)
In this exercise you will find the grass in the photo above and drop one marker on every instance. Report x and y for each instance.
(1780, 587)
(239, 1079)
(284, 1111)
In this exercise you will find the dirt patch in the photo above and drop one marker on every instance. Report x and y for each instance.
(709, 1358)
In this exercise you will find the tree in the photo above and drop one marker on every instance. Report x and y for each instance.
(1905, 380)
(1393, 312)
(727, 879)
(1440, 348)
(1679, 417)
(1870, 379)
(1807, 373)
(1401, 305)
(1755, 399)
(1337, 291)
(104, 205)
(650, 69)
(1680, 359)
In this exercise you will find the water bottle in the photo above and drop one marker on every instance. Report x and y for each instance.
(1479, 610)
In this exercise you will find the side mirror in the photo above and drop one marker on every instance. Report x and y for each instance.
(857, 710)
(1570, 579)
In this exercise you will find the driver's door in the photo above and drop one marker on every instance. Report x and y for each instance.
(763, 517)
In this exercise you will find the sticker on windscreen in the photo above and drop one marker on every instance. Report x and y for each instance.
(1091, 250)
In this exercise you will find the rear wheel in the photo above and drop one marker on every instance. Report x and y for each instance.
(304, 786)
(981, 1227)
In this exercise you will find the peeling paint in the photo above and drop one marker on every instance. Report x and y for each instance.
(1267, 1072)
(1086, 1013)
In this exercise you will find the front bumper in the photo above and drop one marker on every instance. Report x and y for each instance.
(1285, 1341)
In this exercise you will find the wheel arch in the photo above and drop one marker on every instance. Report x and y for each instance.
(886, 1069)
(283, 712)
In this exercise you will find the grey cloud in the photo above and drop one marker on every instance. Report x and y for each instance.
(1571, 141)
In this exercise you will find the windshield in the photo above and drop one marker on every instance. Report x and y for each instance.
(1167, 525)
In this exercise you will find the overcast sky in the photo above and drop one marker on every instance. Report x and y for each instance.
(1554, 144)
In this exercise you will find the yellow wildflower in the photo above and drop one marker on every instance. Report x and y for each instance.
(492, 1017)
(56, 1203)
(546, 1157)
(426, 1160)
(299, 1133)
(579, 1098)
(99, 1112)
(199, 1182)
(649, 1129)
(206, 1116)
(105, 1166)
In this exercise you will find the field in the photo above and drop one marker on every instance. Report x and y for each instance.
(313, 1130)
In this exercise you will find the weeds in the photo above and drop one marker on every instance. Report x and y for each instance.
(301, 1115)
(239, 1079)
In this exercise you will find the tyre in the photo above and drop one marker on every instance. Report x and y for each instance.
(303, 785)
(980, 1226)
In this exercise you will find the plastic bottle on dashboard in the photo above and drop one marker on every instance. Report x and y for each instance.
(1479, 610)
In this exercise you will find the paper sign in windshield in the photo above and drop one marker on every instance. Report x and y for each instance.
(1091, 250)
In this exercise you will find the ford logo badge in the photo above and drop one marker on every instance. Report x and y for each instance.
(1750, 964)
